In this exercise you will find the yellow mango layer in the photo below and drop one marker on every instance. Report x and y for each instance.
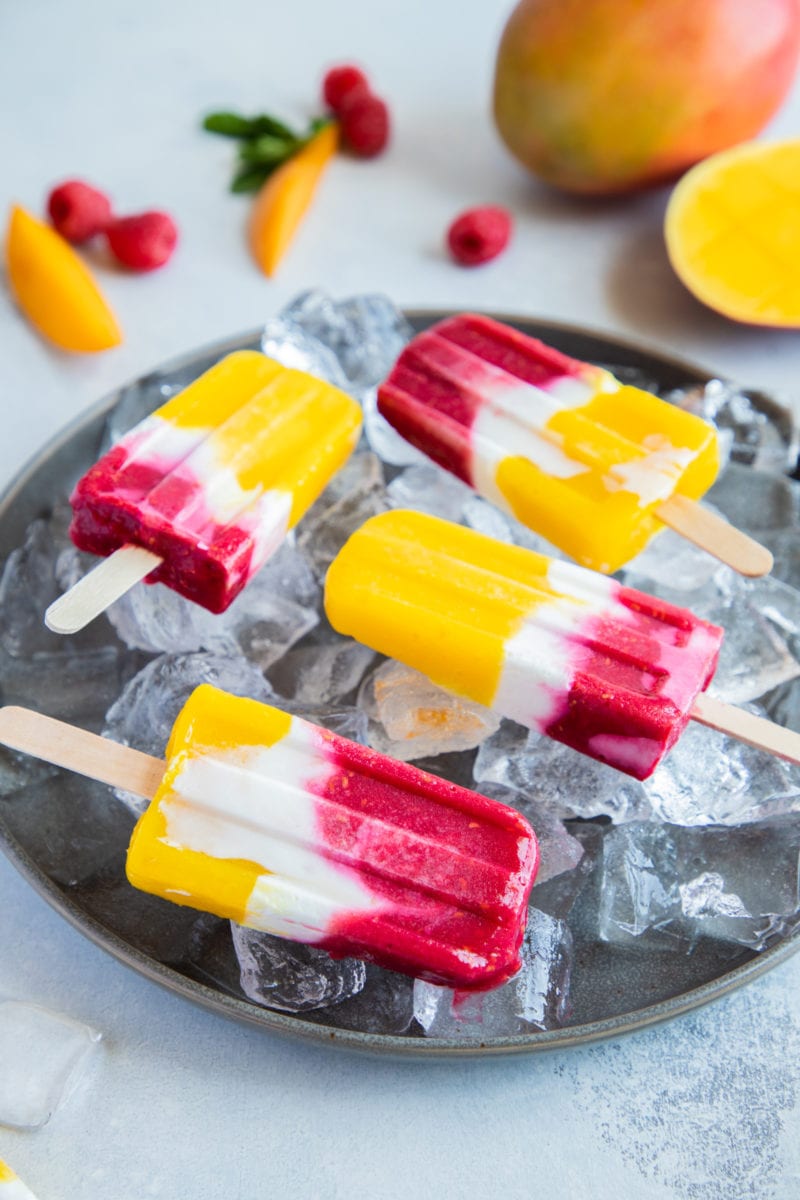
(404, 583)
(210, 721)
(602, 525)
(733, 235)
(271, 426)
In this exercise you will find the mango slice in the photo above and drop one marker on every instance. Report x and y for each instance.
(54, 287)
(732, 229)
(282, 201)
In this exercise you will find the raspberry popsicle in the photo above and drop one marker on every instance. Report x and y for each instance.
(204, 490)
(595, 466)
(603, 668)
(282, 826)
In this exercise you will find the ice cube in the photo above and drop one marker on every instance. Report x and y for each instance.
(678, 884)
(756, 500)
(28, 586)
(43, 1055)
(710, 779)
(671, 560)
(275, 610)
(536, 998)
(321, 674)
(327, 526)
(548, 773)
(292, 977)
(763, 431)
(427, 488)
(412, 718)
(365, 333)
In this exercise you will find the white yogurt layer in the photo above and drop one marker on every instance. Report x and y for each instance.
(254, 804)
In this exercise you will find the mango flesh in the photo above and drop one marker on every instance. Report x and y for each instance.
(55, 289)
(733, 234)
(283, 200)
(604, 96)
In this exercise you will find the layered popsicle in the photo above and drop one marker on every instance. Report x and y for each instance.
(562, 445)
(212, 481)
(603, 668)
(282, 826)
(277, 824)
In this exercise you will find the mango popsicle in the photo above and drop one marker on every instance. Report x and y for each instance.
(603, 668)
(277, 824)
(593, 465)
(212, 481)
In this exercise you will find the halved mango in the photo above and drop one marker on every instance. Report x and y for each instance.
(281, 202)
(54, 287)
(733, 232)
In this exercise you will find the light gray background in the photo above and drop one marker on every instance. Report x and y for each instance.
(180, 1104)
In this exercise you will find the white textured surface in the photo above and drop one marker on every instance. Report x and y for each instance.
(704, 1108)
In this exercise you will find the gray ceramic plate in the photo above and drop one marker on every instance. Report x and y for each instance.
(613, 990)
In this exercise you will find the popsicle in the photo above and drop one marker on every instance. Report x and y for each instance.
(203, 491)
(603, 668)
(277, 824)
(11, 1186)
(595, 466)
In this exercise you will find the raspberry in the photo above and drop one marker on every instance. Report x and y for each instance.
(339, 83)
(479, 235)
(364, 120)
(78, 211)
(143, 242)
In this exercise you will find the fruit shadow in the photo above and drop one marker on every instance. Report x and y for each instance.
(643, 290)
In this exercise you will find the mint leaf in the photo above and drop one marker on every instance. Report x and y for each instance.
(250, 178)
(267, 149)
(228, 124)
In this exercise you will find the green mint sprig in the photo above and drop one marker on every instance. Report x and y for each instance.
(264, 144)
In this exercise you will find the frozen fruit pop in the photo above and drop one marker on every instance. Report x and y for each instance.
(593, 465)
(277, 824)
(11, 1186)
(208, 485)
(603, 668)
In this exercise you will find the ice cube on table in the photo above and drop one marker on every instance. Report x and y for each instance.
(42, 1057)
(536, 998)
(284, 975)
(667, 886)
(413, 718)
(146, 710)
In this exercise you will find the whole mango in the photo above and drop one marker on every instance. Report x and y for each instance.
(604, 96)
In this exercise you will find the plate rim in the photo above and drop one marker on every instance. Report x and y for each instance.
(293, 1025)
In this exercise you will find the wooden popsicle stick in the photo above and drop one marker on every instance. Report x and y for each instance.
(716, 535)
(80, 751)
(93, 594)
(747, 727)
